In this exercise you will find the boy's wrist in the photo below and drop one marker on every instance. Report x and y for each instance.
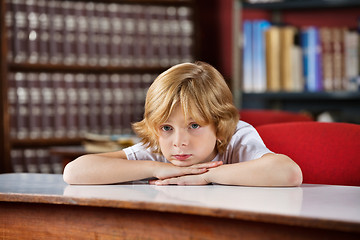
(207, 176)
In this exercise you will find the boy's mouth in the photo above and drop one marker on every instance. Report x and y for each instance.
(182, 157)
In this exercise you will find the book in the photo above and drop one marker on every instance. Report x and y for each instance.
(116, 104)
(42, 156)
(9, 23)
(247, 60)
(34, 104)
(327, 58)
(103, 33)
(19, 32)
(17, 163)
(185, 16)
(59, 105)
(337, 45)
(71, 114)
(83, 109)
(105, 104)
(69, 33)
(297, 71)
(43, 31)
(56, 26)
(272, 40)
(92, 37)
(287, 64)
(31, 160)
(351, 45)
(22, 111)
(13, 104)
(47, 106)
(93, 103)
(127, 103)
(115, 33)
(311, 59)
(81, 33)
(259, 53)
(32, 32)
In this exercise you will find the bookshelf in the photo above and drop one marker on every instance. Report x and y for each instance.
(72, 67)
(340, 101)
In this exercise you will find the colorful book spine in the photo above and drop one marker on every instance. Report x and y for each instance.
(258, 53)
(311, 59)
(272, 38)
(247, 57)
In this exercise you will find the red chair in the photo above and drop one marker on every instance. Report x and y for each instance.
(328, 153)
(261, 117)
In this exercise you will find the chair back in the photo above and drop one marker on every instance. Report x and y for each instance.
(327, 153)
(261, 117)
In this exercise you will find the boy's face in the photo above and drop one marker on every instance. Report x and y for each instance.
(184, 142)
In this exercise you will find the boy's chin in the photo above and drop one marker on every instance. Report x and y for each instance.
(179, 163)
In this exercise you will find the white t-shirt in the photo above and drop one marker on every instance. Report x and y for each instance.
(245, 145)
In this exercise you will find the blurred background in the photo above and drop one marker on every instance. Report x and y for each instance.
(74, 74)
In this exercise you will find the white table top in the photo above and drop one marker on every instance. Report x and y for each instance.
(328, 202)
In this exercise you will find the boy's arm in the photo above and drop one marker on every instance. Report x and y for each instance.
(107, 168)
(269, 170)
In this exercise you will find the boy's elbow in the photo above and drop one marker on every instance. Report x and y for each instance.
(70, 173)
(295, 177)
(67, 174)
(289, 172)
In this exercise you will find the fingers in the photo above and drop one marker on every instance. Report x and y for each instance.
(183, 180)
(171, 181)
(208, 164)
(194, 170)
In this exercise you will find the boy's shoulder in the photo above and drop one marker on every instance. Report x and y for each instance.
(244, 131)
(243, 125)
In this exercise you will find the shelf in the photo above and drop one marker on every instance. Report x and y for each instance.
(302, 4)
(152, 2)
(342, 95)
(45, 142)
(344, 105)
(26, 67)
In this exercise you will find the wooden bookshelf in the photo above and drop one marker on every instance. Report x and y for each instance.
(339, 101)
(26, 67)
(10, 66)
(301, 4)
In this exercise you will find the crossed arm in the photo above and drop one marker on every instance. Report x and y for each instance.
(106, 168)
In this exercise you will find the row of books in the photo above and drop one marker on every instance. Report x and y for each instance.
(67, 105)
(285, 58)
(35, 160)
(98, 34)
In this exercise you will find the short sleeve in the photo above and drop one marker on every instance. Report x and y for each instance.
(246, 144)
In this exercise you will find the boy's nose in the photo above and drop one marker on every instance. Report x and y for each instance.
(181, 139)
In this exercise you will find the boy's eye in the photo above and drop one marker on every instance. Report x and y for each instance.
(166, 128)
(194, 126)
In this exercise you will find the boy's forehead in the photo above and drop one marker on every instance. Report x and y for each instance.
(188, 114)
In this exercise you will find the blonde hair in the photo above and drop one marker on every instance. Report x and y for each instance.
(203, 96)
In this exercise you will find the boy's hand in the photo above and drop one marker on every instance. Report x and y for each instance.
(197, 179)
(168, 171)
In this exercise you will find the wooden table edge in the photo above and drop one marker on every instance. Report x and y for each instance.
(290, 220)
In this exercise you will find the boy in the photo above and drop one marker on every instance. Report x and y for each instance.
(190, 135)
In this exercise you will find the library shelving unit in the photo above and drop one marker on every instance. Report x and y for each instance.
(342, 102)
(63, 62)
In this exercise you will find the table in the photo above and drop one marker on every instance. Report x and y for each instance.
(43, 206)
